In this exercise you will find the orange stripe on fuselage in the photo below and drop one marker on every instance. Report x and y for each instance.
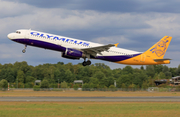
(142, 59)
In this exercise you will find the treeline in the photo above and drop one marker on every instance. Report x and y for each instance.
(97, 75)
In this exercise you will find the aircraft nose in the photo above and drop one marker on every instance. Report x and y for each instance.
(10, 35)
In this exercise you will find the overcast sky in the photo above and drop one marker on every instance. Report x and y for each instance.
(135, 24)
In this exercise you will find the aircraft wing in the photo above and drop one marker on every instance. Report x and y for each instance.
(97, 50)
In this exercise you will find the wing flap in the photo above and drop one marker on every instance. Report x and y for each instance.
(97, 50)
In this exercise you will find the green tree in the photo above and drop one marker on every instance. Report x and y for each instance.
(64, 84)
(101, 66)
(158, 68)
(165, 69)
(127, 79)
(60, 63)
(178, 71)
(145, 85)
(151, 82)
(45, 84)
(161, 75)
(8, 74)
(51, 73)
(107, 72)
(132, 87)
(104, 82)
(75, 86)
(173, 71)
(36, 88)
(30, 79)
(123, 85)
(111, 81)
(46, 73)
(142, 68)
(69, 77)
(99, 75)
(116, 73)
(38, 72)
(29, 85)
(3, 84)
(138, 78)
(91, 85)
(69, 66)
(150, 70)
(85, 87)
(57, 76)
(61, 76)
(112, 88)
(94, 82)
(127, 70)
(156, 76)
(168, 75)
(23, 66)
(20, 76)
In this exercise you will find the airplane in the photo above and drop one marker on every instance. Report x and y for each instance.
(71, 48)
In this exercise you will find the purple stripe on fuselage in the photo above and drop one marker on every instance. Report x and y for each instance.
(41, 44)
(116, 58)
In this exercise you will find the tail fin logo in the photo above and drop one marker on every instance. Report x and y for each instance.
(160, 47)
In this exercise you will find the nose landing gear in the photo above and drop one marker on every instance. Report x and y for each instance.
(24, 50)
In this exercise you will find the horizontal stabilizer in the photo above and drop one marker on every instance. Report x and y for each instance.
(159, 60)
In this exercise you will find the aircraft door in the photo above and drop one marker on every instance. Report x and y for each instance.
(27, 34)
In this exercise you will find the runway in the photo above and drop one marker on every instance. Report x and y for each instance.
(91, 99)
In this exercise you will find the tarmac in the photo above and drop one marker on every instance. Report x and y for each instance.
(91, 99)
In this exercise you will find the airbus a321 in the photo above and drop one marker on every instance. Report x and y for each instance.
(75, 49)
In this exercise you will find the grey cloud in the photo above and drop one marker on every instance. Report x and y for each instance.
(109, 5)
(52, 3)
(12, 9)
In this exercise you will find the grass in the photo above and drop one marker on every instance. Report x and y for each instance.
(89, 109)
(70, 93)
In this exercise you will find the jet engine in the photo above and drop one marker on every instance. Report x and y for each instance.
(73, 54)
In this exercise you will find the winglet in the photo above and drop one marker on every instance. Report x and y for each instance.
(116, 44)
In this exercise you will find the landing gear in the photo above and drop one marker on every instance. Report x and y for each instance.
(24, 50)
(86, 63)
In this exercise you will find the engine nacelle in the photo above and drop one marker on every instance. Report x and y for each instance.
(73, 54)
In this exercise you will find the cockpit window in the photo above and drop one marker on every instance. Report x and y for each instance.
(18, 32)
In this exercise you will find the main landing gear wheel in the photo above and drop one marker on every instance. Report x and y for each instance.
(86, 63)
